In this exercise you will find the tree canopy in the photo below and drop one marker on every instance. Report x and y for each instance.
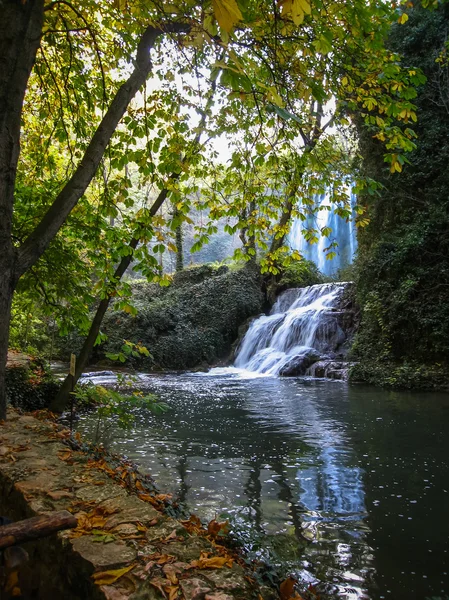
(108, 111)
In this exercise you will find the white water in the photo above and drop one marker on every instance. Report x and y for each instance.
(343, 232)
(302, 326)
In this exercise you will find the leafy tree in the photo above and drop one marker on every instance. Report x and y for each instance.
(403, 271)
(69, 73)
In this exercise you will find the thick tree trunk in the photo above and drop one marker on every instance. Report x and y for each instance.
(6, 294)
(20, 33)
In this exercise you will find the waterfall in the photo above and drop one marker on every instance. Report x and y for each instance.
(343, 232)
(303, 328)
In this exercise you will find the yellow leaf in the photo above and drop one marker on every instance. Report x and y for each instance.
(403, 18)
(305, 5)
(109, 577)
(274, 97)
(299, 9)
(216, 562)
(227, 13)
(286, 588)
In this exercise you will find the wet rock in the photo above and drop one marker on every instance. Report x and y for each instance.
(227, 580)
(299, 364)
(163, 529)
(330, 369)
(194, 589)
(187, 551)
(107, 491)
(112, 593)
(329, 335)
(218, 596)
(106, 556)
(129, 509)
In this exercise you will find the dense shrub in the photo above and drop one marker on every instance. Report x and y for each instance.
(193, 321)
(30, 387)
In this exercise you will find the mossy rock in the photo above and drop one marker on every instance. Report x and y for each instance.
(192, 322)
(30, 386)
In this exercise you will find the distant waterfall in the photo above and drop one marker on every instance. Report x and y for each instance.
(302, 329)
(344, 233)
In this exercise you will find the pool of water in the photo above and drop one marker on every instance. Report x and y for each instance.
(345, 486)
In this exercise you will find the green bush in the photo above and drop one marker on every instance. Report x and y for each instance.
(192, 322)
(300, 273)
(30, 388)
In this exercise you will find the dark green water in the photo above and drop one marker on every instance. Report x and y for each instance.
(346, 485)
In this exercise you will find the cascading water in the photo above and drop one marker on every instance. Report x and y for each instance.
(303, 328)
(343, 232)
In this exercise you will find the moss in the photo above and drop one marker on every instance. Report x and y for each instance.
(402, 270)
(30, 387)
(192, 322)
(404, 375)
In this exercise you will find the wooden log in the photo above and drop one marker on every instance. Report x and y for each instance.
(35, 528)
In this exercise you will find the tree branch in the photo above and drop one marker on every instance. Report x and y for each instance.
(39, 240)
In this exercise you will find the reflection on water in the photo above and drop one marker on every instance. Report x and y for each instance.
(345, 485)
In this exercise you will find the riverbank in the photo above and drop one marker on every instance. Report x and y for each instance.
(126, 545)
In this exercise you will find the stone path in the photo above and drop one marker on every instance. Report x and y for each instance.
(124, 547)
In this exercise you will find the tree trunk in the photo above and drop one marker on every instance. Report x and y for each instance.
(6, 294)
(179, 245)
(20, 33)
(179, 248)
(287, 209)
(63, 396)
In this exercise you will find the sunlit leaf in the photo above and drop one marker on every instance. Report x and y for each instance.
(227, 13)
(109, 577)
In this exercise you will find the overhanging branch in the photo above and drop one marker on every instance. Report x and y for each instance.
(39, 240)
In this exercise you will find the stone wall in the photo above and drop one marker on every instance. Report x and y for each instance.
(126, 546)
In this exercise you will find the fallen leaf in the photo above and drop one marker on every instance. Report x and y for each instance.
(108, 577)
(172, 536)
(215, 527)
(58, 494)
(150, 524)
(287, 589)
(172, 571)
(216, 562)
(65, 455)
(172, 592)
(163, 497)
(160, 584)
(102, 537)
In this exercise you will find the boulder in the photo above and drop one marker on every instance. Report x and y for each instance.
(299, 364)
